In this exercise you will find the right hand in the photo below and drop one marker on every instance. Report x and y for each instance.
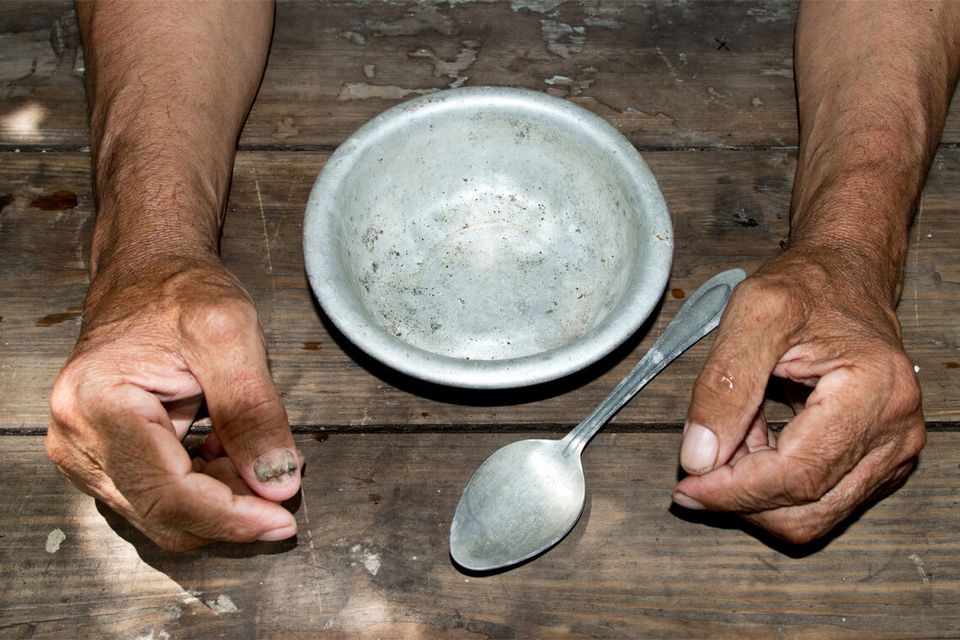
(156, 340)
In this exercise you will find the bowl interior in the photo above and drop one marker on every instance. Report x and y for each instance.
(488, 234)
(487, 238)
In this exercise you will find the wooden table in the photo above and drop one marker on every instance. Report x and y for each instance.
(705, 91)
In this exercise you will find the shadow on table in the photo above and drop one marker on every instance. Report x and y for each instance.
(160, 559)
(732, 521)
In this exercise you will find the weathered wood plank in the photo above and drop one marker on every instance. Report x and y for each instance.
(372, 558)
(729, 208)
(673, 74)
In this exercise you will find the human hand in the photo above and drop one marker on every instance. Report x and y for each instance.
(806, 318)
(156, 340)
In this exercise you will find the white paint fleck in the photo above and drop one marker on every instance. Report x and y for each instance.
(223, 604)
(369, 70)
(536, 6)
(354, 37)
(916, 368)
(368, 557)
(371, 562)
(756, 102)
(918, 562)
(683, 57)
(54, 539)
(929, 236)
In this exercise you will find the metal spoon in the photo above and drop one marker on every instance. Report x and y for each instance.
(528, 495)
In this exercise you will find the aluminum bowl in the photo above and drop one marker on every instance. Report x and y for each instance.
(487, 238)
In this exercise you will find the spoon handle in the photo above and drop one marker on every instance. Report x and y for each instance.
(697, 317)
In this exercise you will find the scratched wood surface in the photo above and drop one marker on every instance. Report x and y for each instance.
(705, 90)
(371, 558)
(726, 214)
(668, 74)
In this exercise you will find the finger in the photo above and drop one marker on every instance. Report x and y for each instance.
(229, 360)
(152, 471)
(758, 434)
(223, 470)
(212, 448)
(757, 438)
(804, 523)
(182, 413)
(727, 394)
(811, 457)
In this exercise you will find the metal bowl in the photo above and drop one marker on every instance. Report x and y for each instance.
(487, 238)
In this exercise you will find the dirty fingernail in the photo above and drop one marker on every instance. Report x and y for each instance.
(277, 466)
(276, 535)
(699, 449)
(686, 501)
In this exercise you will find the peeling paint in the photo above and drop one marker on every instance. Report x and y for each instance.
(223, 604)
(419, 18)
(603, 17)
(565, 86)
(367, 557)
(563, 39)
(536, 6)
(354, 37)
(451, 68)
(363, 91)
(54, 539)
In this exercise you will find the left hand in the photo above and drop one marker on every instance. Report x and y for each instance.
(803, 317)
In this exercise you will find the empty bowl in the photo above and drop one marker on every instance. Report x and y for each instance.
(487, 238)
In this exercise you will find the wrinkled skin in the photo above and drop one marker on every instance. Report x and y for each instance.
(151, 347)
(803, 317)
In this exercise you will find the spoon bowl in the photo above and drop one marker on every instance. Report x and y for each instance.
(546, 494)
(529, 494)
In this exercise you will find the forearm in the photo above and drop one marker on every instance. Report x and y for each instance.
(169, 86)
(874, 80)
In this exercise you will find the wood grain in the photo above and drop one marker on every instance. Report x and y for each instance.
(372, 559)
(667, 74)
(729, 208)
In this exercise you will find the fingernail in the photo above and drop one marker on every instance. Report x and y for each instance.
(277, 466)
(279, 534)
(686, 501)
(699, 449)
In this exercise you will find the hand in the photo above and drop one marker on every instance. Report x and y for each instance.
(805, 318)
(155, 341)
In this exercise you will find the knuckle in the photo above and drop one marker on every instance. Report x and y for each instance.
(763, 298)
(804, 483)
(905, 396)
(796, 529)
(63, 401)
(222, 323)
(803, 532)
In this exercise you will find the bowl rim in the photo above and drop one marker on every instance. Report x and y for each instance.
(321, 254)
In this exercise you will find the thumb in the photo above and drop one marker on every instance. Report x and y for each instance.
(249, 421)
(727, 394)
